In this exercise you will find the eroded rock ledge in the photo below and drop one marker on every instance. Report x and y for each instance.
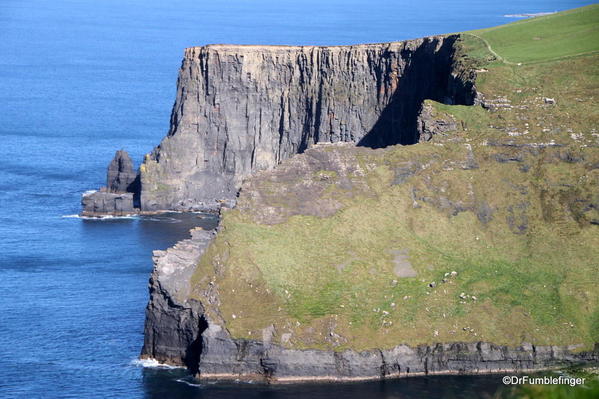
(179, 332)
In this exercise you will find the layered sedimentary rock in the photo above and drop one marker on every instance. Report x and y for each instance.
(245, 108)
(120, 196)
(348, 263)
(227, 358)
(102, 203)
(174, 323)
(242, 109)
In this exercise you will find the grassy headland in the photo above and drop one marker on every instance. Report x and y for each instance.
(489, 233)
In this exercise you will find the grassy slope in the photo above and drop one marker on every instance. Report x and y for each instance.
(518, 233)
(551, 37)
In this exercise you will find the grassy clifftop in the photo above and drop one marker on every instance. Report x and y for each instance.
(552, 37)
(490, 232)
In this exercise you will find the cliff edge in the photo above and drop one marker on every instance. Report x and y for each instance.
(240, 109)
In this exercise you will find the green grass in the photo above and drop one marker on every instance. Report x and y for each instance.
(550, 37)
(572, 81)
(309, 276)
(517, 229)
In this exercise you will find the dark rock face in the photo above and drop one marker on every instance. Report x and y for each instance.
(179, 331)
(120, 196)
(120, 173)
(102, 203)
(240, 109)
(174, 324)
(223, 357)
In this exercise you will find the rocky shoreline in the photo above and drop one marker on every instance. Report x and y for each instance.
(179, 332)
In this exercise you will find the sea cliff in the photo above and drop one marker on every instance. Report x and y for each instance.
(216, 307)
(178, 331)
(240, 109)
(351, 253)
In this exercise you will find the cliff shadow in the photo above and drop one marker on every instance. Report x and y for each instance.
(430, 75)
(194, 349)
(135, 188)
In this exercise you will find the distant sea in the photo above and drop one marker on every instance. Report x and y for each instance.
(80, 79)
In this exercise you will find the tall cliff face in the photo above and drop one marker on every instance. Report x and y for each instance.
(245, 108)
(472, 254)
(468, 255)
(173, 322)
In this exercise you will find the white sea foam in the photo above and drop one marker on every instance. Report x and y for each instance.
(106, 217)
(153, 363)
(191, 384)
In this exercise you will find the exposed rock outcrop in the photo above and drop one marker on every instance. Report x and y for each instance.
(121, 174)
(223, 357)
(103, 203)
(174, 323)
(429, 126)
(120, 196)
(240, 109)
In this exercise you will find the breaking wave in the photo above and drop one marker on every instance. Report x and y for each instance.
(107, 217)
(189, 382)
(153, 363)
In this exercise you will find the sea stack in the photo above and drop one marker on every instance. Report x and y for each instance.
(120, 173)
(119, 196)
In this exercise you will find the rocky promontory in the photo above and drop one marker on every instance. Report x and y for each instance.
(241, 109)
(418, 207)
(179, 332)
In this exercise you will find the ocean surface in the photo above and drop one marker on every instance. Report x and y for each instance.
(80, 79)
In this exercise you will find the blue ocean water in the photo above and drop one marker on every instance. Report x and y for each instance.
(82, 78)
